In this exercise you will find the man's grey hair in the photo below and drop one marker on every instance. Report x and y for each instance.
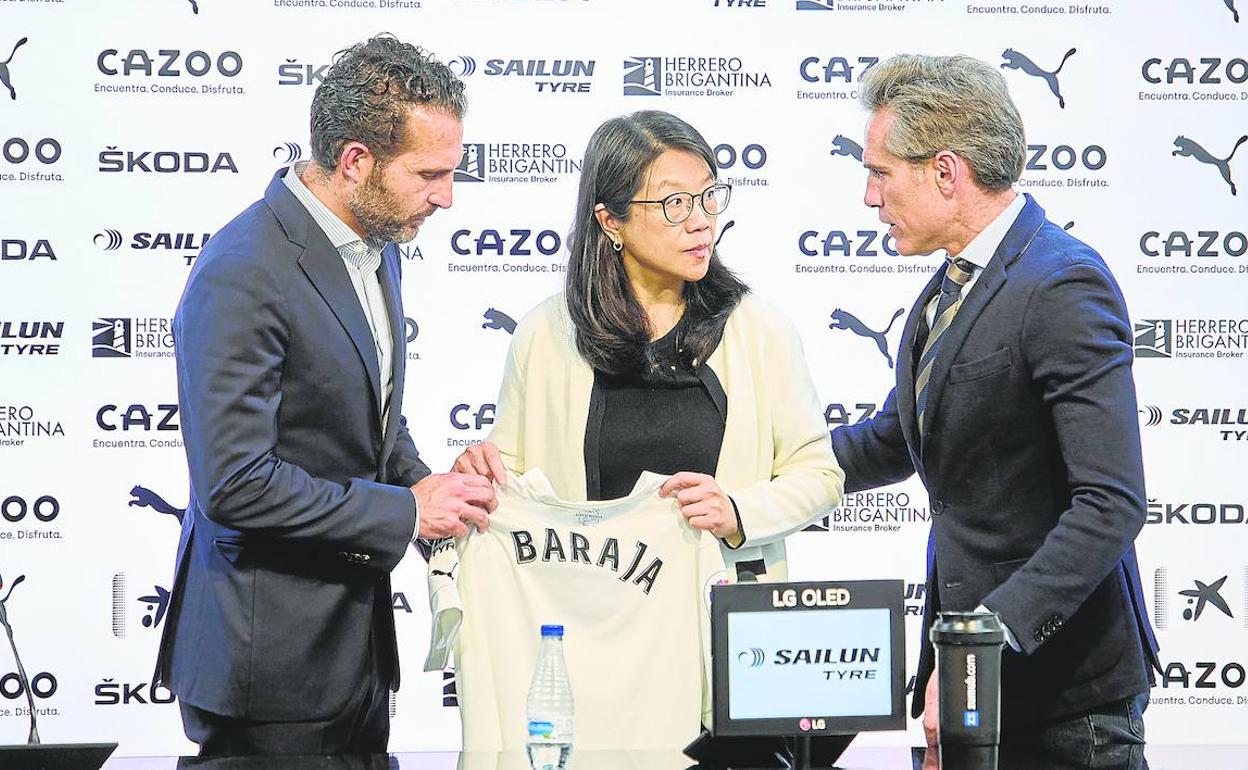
(954, 103)
(367, 93)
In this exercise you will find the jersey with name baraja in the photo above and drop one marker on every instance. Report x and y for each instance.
(627, 580)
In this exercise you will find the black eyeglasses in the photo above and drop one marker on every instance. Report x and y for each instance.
(677, 207)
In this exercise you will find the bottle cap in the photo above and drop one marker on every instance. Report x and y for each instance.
(967, 628)
(552, 631)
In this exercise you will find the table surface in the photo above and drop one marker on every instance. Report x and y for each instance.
(856, 758)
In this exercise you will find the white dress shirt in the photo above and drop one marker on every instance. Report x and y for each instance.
(980, 250)
(362, 259)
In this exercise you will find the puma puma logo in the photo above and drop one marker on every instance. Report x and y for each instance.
(1231, 4)
(497, 319)
(844, 320)
(146, 498)
(1189, 148)
(450, 574)
(1018, 61)
(844, 146)
(6, 78)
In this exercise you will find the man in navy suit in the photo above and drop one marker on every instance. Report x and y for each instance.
(1015, 404)
(306, 488)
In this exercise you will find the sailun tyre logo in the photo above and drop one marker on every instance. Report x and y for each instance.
(108, 240)
(287, 153)
(1152, 415)
(462, 66)
(753, 657)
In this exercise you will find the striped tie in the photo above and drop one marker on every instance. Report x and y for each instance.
(957, 273)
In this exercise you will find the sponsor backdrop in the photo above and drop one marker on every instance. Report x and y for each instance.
(128, 135)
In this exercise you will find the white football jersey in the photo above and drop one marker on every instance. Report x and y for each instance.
(626, 578)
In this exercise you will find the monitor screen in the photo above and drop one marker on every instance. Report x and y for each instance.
(808, 658)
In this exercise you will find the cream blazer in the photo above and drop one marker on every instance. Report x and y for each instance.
(776, 461)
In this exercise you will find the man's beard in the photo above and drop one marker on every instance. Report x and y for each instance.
(379, 212)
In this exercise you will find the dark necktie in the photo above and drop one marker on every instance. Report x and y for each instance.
(957, 273)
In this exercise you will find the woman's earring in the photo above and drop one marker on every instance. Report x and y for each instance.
(617, 245)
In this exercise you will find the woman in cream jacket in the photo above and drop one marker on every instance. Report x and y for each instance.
(655, 357)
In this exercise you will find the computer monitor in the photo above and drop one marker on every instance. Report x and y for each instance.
(808, 659)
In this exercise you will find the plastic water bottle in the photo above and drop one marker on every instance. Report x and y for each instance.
(549, 706)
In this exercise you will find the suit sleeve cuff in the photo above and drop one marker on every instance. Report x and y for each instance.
(1010, 639)
(735, 541)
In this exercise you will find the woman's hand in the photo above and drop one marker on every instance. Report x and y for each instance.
(484, 460)
(703, 504)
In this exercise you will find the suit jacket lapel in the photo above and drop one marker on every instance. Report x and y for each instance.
(389, 279)
(323, 265)
(906, 358)
(990, 281)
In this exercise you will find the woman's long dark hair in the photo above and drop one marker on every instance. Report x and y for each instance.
(612, 330)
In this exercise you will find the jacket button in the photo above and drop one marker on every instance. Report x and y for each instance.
(938, 507)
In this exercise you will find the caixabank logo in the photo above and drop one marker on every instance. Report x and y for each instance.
(517, 250)
(692, 76)
(24, 248)
(522, 162)
(30, 518)
(1172, 338)
(1212, 601)
(546, 76)
(21, 424)
(1212, 604)
(169, 72)
(33, 159)
(1227, 423)
(154, 603)
(31, 339)
(1193, 251)
(1177, 80)
(124, 337)
(833, 76)
(177, 245)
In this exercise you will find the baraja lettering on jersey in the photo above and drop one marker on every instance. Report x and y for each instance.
(608, 555)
